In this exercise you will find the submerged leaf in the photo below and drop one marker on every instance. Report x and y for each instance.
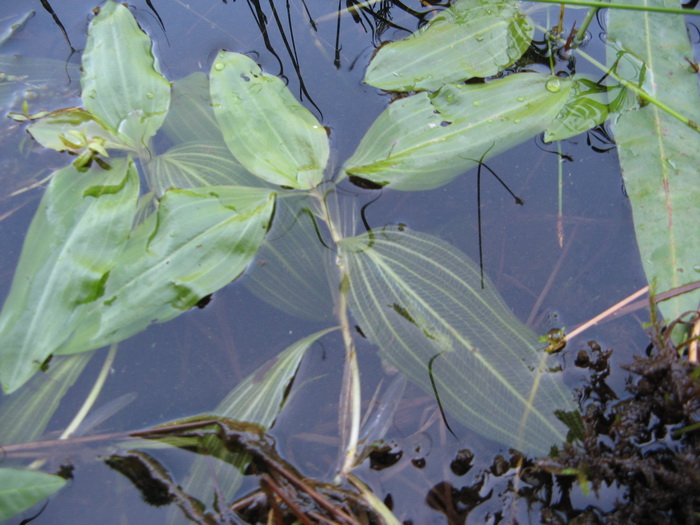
(472, 38)
(266, 129)
(291, 270)
(197, 164)
(419, 300)
(198, 241)
(122, 84)
(259, 398)
(426, 140)
(658, 154)
(79, 230)
(191, 117)
(21, 489)
(25, 414)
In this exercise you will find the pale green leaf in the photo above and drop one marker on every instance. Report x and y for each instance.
(417, 297)
(122, 84)
(472, 38)
(80, 228)
(291, 271)
(426, 140)
(259, 398)
(198, 241)
(660, 155)
(197, 164)
(25, 414)
(586, 108)
(191, 117)
(266, 129)
(21, 489)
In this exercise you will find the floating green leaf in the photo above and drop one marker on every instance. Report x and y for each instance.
(659, 155)
(197, 164)
(419, 300)
(21, 489)
(426, 140)
(198, 241)
(122, 85)
(266, 129)
(472, 38)
(81, 227)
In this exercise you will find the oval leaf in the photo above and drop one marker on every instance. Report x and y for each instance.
(266, 129)
(425, 140)
(473, 38)
(421, 302)
(21, 489)
(122, 84)
(81, 226)
(198, 241)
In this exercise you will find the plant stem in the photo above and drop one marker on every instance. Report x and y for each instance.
(581, 34)
(592, 3)
(93, 395)
(641, 93)
(350, 394)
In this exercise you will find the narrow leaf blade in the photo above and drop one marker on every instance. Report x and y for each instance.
(658, 154)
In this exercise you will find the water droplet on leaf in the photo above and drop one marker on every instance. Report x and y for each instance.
(476, 103)
(553, 85)
(219, 66)
(521, 99)
(149, 95)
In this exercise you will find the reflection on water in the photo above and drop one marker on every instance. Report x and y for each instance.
(187, 366)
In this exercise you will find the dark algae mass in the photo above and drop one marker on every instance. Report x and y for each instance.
(292, 262)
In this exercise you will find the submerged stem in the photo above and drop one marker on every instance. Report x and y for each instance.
(350, 395)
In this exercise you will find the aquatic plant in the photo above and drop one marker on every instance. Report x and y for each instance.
(104, 257)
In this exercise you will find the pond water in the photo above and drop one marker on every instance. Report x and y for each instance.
(552, 272)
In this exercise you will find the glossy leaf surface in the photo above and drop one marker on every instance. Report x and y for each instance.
(419, 300)
(264, 126)
(21, 489)
(198, 241)
(472, 38)
(122, 84)
(425, 140)
(660, 155)
(81, 227)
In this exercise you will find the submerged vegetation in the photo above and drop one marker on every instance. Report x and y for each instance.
(129, 234)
